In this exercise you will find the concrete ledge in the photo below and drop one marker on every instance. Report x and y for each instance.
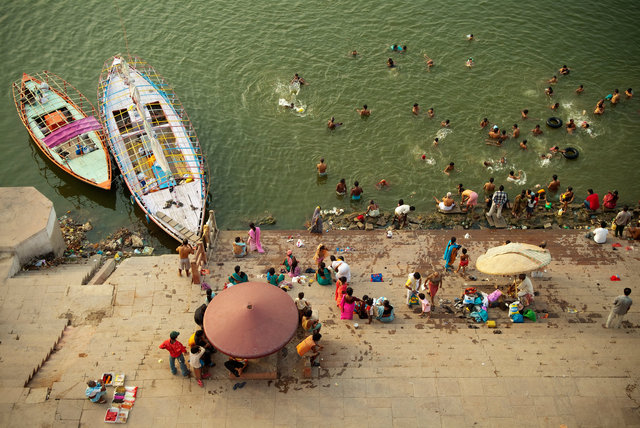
(103, 273)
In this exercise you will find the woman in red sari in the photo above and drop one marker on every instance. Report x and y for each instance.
(341, 288)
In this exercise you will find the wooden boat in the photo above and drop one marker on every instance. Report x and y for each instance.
(154, 145)
(64, 125)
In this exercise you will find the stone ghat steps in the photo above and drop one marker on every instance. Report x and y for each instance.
(72, 273)
(26, 347)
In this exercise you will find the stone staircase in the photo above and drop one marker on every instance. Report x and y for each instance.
(25, 347)
(69, 273)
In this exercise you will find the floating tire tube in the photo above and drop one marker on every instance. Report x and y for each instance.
(554, 122)
(571, 153)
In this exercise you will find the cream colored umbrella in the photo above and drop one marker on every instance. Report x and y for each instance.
(513, 258)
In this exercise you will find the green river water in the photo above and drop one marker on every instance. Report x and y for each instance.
(230, 62)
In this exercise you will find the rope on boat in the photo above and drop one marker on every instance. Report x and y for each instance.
(124, 31)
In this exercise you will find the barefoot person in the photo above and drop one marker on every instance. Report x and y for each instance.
(184, 250)
(401, 213)
(434, 282)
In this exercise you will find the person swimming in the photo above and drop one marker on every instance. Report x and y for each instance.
(564, 70)
(449, 169)
(331, 124)
(416, 109)
(298, 79)
(555, 106)
(469, 62)
(516, 131)
(429, 61)
(629, 93)
(571, 126)
(444, 123)
(364, 112)
(523, 144)
(430, 112)
(524, 114)
(549, 91)
(580, 89)
(536, 130)
(484, 123)
(553, 80)
(390, 63)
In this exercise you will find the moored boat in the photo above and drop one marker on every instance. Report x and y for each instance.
(64, 125)
(154, 145)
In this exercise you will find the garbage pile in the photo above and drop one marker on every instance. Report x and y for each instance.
(120, 244)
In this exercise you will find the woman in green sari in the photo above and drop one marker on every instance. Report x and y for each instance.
(238, 276)
(323, 276)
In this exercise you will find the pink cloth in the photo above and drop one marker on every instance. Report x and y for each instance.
(473, 199)
(346, 309)
(254, 240)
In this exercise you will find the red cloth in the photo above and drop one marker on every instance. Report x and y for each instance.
(594, 201)
(175, 349)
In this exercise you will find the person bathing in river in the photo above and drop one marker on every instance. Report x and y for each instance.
(516, 131)
(364, 112)
(447, 202)
(469, 198)
(341, 188)
(513, 177)
(449, 168)
(298, 79)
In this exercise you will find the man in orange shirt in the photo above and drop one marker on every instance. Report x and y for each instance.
(184, 250)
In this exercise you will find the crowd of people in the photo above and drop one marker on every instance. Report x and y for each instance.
(528, 200)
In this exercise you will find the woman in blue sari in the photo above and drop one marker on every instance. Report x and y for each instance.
(385, 312)
(450, 253)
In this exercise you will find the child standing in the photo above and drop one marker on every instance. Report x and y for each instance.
(196, 364)
(301, 304)
(176, 349)
(464, 262)
(426, 306)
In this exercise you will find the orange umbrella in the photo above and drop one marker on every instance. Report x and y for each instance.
(251, 320)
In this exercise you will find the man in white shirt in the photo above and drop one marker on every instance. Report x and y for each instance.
(525, 290)
(343, 269)
(599, 235)
(401, 213)
(413, 284)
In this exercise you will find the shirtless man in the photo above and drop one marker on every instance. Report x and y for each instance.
(356, 192)
(516, 131)
(449, 168)
(553, 80)
(536, 130)
(430, 112)
(580, 89)
(524, 114)
(354, 53)
(554, 185)
(567, 197)
(390, 63)
(341, 188)
(629, 93)
(331, 124)
(298, 79)
(555, 106)
(484, 123)
(523, 144)
(435, 142)
(495, 132)
(616, 97)
(564, 70)
(364, 112)
(416, 109)
(571, 126)
(549, 91)
(322, 168)
(184, 250)
(599, 107)
(429, 62)
(444, 123)
(489, 187)
(513, 177)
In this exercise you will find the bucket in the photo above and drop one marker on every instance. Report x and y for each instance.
(491, 324)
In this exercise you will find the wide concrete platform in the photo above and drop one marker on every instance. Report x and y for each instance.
(566, 369)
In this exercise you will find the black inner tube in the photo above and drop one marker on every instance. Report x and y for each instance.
(554, 122)
(570, 153)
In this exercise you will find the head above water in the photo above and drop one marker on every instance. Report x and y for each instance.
(355, 183)
(365, 106)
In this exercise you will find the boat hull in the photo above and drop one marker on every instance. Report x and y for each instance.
(62, 122)
(155, 146)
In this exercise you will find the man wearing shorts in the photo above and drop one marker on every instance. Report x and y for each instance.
(184, 250)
